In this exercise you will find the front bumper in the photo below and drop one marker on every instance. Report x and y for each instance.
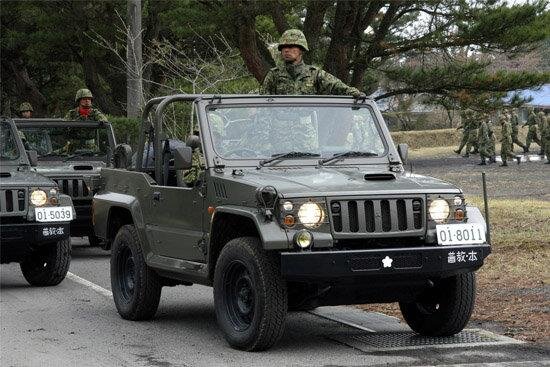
(16, 240)
(396, 263)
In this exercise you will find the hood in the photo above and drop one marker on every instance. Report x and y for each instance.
(338, 181)
(24, 178)
(70, 168)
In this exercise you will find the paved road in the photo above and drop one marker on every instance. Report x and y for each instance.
(76, 324)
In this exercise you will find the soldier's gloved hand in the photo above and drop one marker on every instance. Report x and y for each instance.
(359, 95)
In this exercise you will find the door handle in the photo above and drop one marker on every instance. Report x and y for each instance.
(156, 196)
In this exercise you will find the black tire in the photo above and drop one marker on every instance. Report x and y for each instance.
(136, 287)
(250, 296)
(443, 310)
(48, 265)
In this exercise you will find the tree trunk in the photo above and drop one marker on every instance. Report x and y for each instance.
(278, 15)
(313, 24)
(26, 87)
(134, 82)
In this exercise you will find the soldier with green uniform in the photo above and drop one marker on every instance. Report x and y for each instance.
(486, 143)
(545, 136)
(472, 138)
(294, 77)
(532, 134)
(515, 130)
(541, 122)
(506, 139)
(466, 125)
(25, 110)
(83, 110)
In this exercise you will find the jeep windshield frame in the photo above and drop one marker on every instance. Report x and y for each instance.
(37, 126)
(9, 127)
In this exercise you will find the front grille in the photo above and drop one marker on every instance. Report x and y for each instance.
(74, 187)
(13, 201)
(377, 217)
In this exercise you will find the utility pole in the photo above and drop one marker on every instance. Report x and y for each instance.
(134, 71)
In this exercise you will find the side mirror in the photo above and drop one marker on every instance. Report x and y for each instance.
(403, 150)
(122, 158)
(183, 158)
(33, 157)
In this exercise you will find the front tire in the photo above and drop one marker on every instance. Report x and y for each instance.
(250, 296)
(48, 265)
(443, 310)
(136, 287)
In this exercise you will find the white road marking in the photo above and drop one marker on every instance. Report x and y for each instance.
(87, 283)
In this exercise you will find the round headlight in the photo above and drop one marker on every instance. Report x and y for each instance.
(311, 214)
(439, 210)
(53, 192)
(287, 206)
(303, 238)
(457, 201)
(38, 198)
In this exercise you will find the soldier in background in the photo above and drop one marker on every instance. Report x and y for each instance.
(472, 139)
(486, 141)
(532, 134)
(294, 77)
(506, 139)
(541, 122)
(25, 110)
(545, 136)
(515, 130)
(84, 110)
(468, 132)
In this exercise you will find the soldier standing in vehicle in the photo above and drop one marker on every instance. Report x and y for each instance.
(506, 139)
(294, 77)
(532, 134)
(25, 110)
(83, 109)
(515, 130)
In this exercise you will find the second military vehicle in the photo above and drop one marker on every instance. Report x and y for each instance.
(286, 203)
(34, 215)
(71, 153)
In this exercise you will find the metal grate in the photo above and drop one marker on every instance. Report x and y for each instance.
(219, 189)
(13, 201)
(377, 216)
(74, 187)
(399, 340)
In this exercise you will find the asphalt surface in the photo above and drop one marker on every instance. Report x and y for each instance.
(76, 324)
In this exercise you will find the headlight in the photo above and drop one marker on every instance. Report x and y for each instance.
(38, 198)
(311, 215)
(303, 239)
(457, 201)
(439, 210)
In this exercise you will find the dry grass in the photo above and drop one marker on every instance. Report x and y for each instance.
(513, 294)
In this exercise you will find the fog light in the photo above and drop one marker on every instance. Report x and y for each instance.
(289, 220)
(303, 239)
(459, 214)
(53, 200)
(288, 206)
(457, 201)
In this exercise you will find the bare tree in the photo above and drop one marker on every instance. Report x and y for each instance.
(134, 60)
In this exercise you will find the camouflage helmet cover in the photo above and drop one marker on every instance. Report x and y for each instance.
(293, 37)
(25, 106)
(82, 93)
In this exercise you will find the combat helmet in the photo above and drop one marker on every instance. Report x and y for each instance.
(293, 37)
(82, 93)
(25, 106)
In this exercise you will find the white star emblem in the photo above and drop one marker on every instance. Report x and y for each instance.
(387, 262)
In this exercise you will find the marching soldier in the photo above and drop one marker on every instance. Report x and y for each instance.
(486, 141)
(515, 130)
(545, 136)
(465, 125)
(506, 139)
(532, 134)
(294, 77)
(84, 110)
(541, 124)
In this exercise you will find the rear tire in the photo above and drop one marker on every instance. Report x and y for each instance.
(443, 310)
(136, 287)
(48, 265)
(250, 296)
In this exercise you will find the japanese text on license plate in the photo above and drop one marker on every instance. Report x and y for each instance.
(460, 234)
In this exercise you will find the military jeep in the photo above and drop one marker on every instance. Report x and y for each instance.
(284, 204)
(71, 153)
(34, 215)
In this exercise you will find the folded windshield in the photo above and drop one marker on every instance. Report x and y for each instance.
(323, 131)
(73, 142)
(8, 146)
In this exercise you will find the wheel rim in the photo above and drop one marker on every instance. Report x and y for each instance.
(239, 295)
(126, 273)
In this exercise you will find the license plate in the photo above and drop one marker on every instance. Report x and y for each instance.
(460, 234)
(54, 214)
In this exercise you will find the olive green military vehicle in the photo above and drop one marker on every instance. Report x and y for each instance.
(295, 202)
(71, 153)
(34, 215)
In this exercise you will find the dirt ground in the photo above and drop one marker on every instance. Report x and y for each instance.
(513, 287)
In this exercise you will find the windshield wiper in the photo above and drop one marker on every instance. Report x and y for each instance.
(81, 154)
(351, 153)
(279, 156)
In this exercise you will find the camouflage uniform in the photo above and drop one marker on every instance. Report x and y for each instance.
(505, 140)
(94, 115)
(541, 123)
(466, 125)
(191, 175)
(475, 122)
(302, 79)
(486, 142)
(532, 134)
(515, 130)
(545, 136)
